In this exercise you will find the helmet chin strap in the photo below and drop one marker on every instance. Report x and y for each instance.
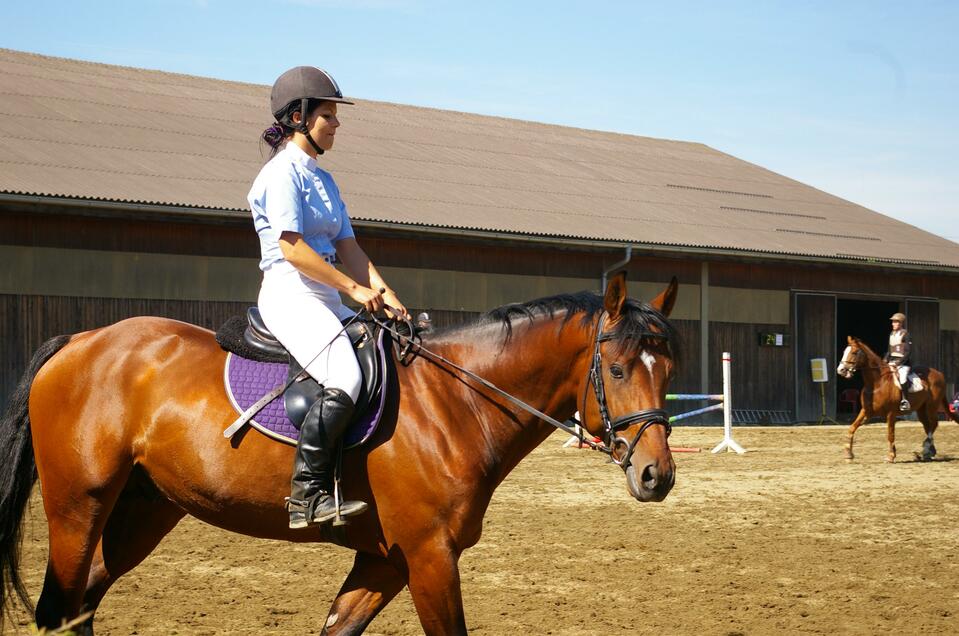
(306, 131)
(309, 138)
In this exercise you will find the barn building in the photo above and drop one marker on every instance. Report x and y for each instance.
(122, 192)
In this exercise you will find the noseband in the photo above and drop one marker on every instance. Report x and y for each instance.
(649, 417)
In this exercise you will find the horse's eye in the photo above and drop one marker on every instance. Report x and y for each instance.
(616, 371)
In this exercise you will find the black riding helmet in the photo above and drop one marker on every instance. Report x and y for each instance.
(301, 84)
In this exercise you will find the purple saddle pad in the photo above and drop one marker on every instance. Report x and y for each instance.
(247, 381)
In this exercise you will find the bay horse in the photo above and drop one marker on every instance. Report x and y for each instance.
(123, 427)
(880, 397)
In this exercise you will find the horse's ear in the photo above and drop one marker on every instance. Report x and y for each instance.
(666, 300)
(615, 295)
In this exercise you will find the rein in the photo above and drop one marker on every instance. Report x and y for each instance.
(611, 442)
(881, 367)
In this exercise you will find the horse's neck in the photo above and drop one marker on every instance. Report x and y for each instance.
(533, 366)
(872, 369)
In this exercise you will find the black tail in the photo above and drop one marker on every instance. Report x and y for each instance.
(18, 473)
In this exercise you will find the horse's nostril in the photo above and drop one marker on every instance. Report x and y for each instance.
(649, 476)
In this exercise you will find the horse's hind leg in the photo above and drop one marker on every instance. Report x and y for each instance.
(75, 518)
(371, 585)
(139, 521)
(929, 416)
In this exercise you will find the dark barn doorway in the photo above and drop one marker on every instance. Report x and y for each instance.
(868, 320)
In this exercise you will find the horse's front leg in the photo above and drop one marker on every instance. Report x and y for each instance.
(434, 582)
(856, 423)
(891, 436)
(371, 585)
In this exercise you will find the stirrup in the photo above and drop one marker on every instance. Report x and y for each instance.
(319, 509)
(324, 509)
(905, 405)
(298, 510)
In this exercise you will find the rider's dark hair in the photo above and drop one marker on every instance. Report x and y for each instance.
(282, 129)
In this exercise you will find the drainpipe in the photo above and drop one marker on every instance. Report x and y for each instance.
(614, 267)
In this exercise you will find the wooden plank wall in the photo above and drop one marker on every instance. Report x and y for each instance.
(687, 372)
(949, 357)
(830, 278)
(923, 325)
(761, 376)
(230, 238)
(28, 321)
(815, 338)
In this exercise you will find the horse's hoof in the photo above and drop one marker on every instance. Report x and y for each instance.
(890, 459)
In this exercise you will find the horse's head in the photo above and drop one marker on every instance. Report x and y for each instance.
(632, 364)
(851, 357)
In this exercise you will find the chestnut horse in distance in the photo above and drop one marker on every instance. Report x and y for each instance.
(123, 426)
(880, 396)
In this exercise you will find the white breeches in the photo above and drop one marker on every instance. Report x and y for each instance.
(305, 317)
(903, 373)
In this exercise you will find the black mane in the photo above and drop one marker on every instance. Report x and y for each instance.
(639, 318)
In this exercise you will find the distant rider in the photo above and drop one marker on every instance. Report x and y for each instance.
(898, 356)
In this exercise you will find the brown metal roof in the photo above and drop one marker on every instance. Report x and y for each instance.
(98, 132)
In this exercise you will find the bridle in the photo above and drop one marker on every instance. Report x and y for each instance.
(611, 427)
(611, 441)
(850, 366)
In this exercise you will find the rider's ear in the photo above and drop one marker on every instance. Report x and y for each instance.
(666, 300)
(615, 295)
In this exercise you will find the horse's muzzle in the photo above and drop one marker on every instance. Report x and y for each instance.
(650, 481)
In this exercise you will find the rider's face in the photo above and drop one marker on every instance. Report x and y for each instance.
(895, 325)
(323, 123)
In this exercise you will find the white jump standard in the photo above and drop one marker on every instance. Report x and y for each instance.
(724, 402)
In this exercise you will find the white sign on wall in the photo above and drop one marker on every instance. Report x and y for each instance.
(820, 372)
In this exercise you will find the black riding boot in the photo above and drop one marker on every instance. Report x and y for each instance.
(904, 405)
(311, 488)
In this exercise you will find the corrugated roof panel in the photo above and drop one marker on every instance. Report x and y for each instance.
(78, 129)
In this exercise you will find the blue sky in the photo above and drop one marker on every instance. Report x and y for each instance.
(860, 99)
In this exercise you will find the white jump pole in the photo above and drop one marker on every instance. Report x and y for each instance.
(728, 443)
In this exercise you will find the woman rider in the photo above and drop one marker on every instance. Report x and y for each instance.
(303, 225)
(897, 357)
